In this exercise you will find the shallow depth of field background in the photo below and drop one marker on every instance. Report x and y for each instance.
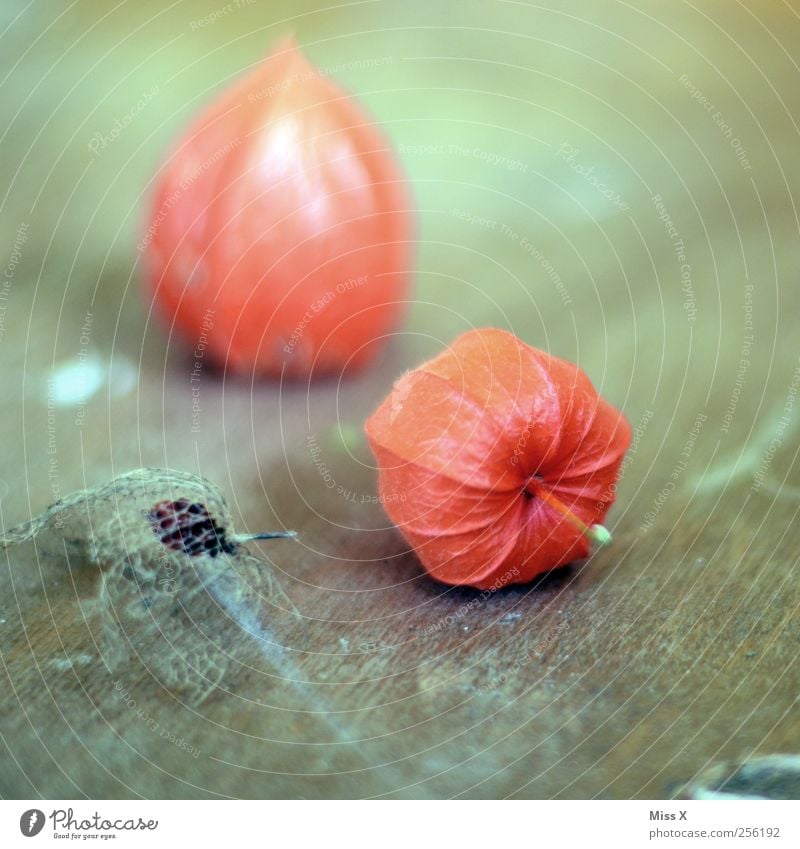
(613, 182)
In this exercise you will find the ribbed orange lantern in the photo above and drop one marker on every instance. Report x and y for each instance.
(281, 226)
(497, 461)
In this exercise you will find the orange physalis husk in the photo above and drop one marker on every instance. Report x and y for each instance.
(281, 226)
(497, 461)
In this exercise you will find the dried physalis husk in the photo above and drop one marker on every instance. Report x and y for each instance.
(764, 777)
(153, 559)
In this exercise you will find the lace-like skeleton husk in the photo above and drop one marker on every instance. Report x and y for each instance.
(181, 615)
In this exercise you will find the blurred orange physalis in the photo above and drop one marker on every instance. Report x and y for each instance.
(281, 226)
(497, 461)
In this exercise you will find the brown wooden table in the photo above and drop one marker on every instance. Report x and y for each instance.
(616, 184)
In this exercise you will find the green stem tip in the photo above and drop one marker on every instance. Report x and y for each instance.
(599, 535)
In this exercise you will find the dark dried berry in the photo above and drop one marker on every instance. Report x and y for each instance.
(187, 527)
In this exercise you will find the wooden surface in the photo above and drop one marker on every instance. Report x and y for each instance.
(537, 138)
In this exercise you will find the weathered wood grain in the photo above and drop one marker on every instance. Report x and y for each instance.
(624, 676)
